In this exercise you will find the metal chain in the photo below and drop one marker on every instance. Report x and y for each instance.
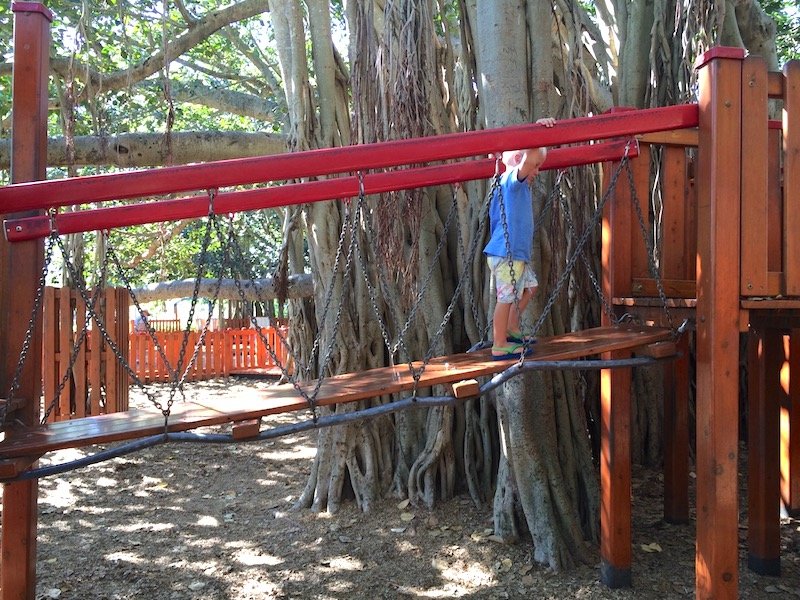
(310, 398)
(242, 260)
(598, 213)
(177, 382)
(607, 307)
(469, 290)
(651, 252)
(111, 256)
(370, 288)
(329, 294)
(346, 276)
(465, 276)
(104, 332)
(27, 340)
(76, 346)
(371, 235)
(416, 372)
(422, 290)
(214, 297)
(506, 235)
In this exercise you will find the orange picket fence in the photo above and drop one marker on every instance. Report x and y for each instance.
(221, 353)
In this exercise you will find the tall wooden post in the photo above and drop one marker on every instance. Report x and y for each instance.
(763, 476)
(615, 474)
(20, 268)
(718, 271)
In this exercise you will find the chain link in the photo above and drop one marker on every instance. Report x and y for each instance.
(581, 243)
(76, 347)
(607, 307)
(27, 340)
(651, 253)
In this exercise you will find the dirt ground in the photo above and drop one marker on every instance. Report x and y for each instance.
(191, 521)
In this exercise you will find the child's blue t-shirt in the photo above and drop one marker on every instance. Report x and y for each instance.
(516, 199)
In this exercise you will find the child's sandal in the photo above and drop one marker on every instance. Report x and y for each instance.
(513, 351)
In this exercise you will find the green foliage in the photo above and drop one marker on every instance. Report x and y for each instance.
(787, 18)
(120, 36)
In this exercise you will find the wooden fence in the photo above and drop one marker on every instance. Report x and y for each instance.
(221, 353)
(98, 382)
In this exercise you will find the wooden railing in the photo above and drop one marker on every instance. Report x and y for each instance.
(220, 353)
(87, 380)
(164, 325)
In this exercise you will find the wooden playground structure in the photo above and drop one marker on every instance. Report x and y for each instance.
(731, 260)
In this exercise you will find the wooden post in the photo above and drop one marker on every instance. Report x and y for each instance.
(791, 177)
(20, 268)
(615, 474)
(676, 436)
(718, 271)
(763, 473)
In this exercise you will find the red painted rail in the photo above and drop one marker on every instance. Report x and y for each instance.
(28, 228)
(362, 157)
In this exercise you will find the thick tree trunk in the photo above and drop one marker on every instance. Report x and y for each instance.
(546, 466)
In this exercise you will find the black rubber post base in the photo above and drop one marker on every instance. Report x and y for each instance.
(614, 577)
(764, 566)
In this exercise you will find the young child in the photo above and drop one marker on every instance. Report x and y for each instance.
(511, 231)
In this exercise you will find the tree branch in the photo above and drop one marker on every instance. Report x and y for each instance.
(148, 149)
(201, 30)
(299, 286)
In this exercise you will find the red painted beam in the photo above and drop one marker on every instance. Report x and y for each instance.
(348, 159)
(298, 193)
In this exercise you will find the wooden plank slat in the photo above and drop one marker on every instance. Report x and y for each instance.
(774, 210)
(791, 178)
(95, 343)
(754, 222)
(658, 350)
(763, 426)
(49, 328)
(673, 288)
(79, 369)
(673, 259)
(640, 166)
(243, 430)
(110, 359)
(349, 387)
(690, 238)
(123, 332)
(466, 389)
(64, 348)
(616, 239)
(775, 85)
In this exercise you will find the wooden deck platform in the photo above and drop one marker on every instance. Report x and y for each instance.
(137, 423)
